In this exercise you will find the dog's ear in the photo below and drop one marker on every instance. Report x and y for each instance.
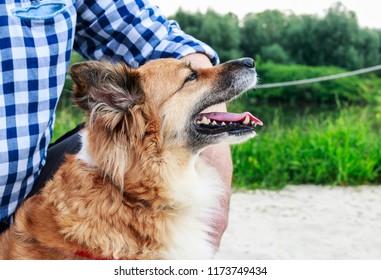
(112, 84)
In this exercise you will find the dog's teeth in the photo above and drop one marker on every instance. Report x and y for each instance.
(230, 123)
(247, 120)
(214, 123)
(205, 120)
(223, 123)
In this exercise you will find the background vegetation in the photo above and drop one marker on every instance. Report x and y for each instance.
(323, 133)
(333, 40)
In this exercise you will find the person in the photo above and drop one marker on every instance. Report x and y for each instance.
(37, 39)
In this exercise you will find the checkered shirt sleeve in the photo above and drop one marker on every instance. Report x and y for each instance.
(36, 41)
(133, 31)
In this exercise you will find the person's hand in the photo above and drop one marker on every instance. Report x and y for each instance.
(218, 156)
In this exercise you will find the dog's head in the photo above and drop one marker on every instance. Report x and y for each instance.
(166, 96)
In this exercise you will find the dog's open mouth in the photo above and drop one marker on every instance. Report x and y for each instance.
(218, 122)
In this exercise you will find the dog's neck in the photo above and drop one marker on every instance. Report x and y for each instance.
(133, 164)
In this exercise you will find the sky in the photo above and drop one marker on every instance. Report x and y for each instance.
(367, 11)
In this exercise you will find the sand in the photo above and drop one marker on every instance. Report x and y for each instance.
(304, 222)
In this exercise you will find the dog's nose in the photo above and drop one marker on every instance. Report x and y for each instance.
(248, 62)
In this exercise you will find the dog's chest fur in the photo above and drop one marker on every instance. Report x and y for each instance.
(178, 225)
(198, 189)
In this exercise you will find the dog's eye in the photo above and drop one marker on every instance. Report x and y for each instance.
(191, 77)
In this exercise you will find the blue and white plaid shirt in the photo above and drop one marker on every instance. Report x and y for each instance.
(36, 41)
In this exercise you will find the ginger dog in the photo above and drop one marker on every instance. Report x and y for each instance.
(138, 188)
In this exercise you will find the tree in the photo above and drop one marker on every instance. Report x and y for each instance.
(221, 32)
(275, 54)
(190, 22)
(338, 33)
(300, 39)
(336, 39)
(261, 30)
(369, 45)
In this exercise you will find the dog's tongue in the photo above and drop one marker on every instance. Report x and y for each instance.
(231, 117)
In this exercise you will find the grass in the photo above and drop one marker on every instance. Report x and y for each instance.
(342, 148)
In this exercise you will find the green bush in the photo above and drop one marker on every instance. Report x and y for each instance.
(354, 89)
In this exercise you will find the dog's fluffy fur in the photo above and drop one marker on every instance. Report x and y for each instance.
(138, 188)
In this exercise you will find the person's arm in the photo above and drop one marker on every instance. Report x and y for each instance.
(219, 156)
